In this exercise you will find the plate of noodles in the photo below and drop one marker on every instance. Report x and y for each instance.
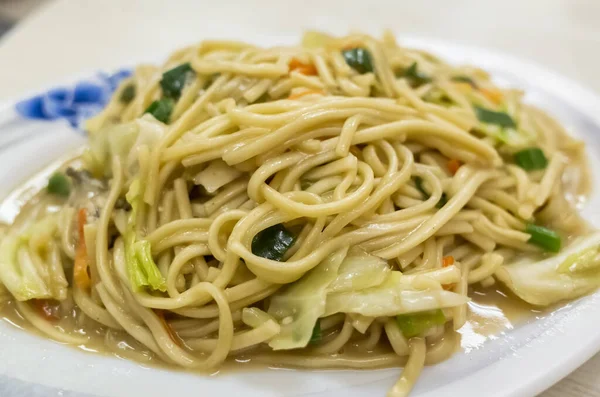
(337, 216)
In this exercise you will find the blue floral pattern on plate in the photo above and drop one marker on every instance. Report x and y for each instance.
(74, 104)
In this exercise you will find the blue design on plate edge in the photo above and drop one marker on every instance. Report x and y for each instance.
(74, 104)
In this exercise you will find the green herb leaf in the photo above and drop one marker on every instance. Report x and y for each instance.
(174, 80)
(543, 237)
(419, 185)
(316, 334)
(359, 59)
(161, 109)
(491, 117)
(273, 242)
(465, 79)
(416, 324)
(415, 77)
(443, 201)
(127, 94)
(531, 159)
(59, 184)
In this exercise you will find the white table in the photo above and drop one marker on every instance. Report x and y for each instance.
(68, 37)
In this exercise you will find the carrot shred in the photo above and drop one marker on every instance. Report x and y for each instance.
(80, 268)
(448, 287)
(453, 166)
(492, 94)
(45, 309)
(172, 334)
(304, 93)
(304, 68)
(447, 261)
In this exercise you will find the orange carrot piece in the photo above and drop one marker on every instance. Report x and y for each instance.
(304, 93)
(172, 334)
(453, 166)
(304, 68)
(492, 94)
(80, 268)
(447, 261)
(447, 287)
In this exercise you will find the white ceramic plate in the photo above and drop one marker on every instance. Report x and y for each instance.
(520, 362)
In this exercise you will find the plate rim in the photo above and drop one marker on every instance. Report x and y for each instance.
(565, 357)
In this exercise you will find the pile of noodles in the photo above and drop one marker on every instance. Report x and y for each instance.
(319, 206)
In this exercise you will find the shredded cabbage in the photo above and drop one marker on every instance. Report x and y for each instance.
(17, 270)
(143, 272)
(571, 274)
(360, 270)
(122, 141)
(391, 298)
(298, 306)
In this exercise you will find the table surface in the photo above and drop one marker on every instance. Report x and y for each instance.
(67, 37)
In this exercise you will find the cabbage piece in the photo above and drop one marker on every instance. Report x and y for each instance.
(216, 175)
(18, 273)
(572, 273)
(360, 270)
(141, 268)
(298, 306)
(121, 140)
(394, 296)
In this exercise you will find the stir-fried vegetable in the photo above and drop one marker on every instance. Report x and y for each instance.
(391, 298)
(143, 272)
(161, 109)
(359, 59)
(447, 261)
(121, 141)
(305, 68)
(127, 94)
(453, 166)
(531, 159)
(59, 184)
(465, 79)
(492, 117)
(299, 305)
(80, 268)
(174, 80)
(273, 242)
(316, 333)
(545, 238)
(419, 185)
(417, 324)
(360, 270)
(172, 334)
(572, 273)
(414, 76)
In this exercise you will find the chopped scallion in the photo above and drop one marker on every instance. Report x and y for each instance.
(127, 94)
(174, 80)
(492, 117)
(161, 109)
(59, 184)
(416, 324)
(316, 333)
(273, 242)
(359, 59)
(414, 76)
(419, 185)
(531, 159)
(545, 238)
(465, 79)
